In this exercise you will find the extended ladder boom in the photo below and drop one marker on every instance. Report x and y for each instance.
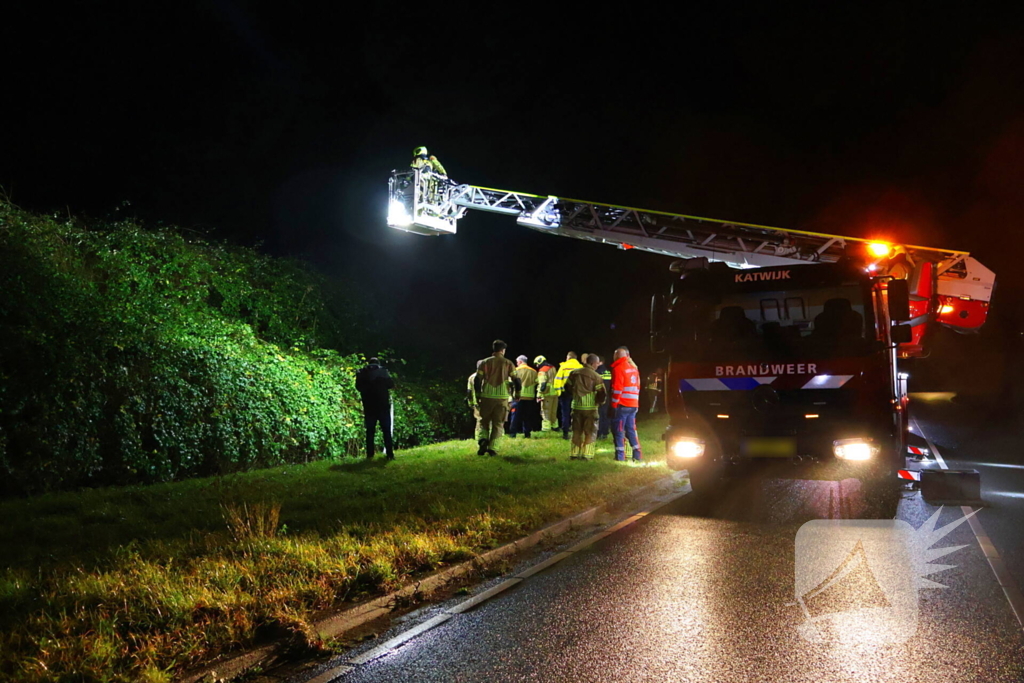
(429, 204)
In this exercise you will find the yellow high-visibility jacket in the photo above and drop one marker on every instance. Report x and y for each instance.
(432, 164)
(563, 373)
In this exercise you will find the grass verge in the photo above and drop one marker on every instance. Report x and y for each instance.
(139, 583)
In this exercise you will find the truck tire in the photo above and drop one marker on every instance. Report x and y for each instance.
(705, 478)
(881, 490)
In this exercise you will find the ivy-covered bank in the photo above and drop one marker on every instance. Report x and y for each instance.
(132, 354)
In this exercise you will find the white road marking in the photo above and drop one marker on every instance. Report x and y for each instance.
(401, 638)
(331, 674)
(1003, 578)
(404, 637)
(483, 597)
(554, 559)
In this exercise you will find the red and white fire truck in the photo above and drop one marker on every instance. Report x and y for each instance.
(784, 345)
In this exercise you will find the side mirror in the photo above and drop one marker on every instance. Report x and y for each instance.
(902, 334)
(899, 300)
(658, 316)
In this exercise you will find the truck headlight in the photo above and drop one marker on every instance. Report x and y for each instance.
(855, 449)
(687, 448)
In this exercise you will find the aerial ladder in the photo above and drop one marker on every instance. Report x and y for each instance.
(947, 286)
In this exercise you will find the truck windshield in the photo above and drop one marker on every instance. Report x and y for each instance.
(824, 322)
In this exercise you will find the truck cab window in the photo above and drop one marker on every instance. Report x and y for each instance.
(795, 308)
(770, 311)
(820, 323)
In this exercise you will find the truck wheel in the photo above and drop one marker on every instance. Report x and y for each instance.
(705, 478)
(881, 492)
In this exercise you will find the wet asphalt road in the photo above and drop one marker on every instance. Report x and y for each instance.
(971, 438)
(703, 590)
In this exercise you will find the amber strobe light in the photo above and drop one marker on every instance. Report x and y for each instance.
(878, 249)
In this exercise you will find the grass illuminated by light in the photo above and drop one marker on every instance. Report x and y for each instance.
(138, 583)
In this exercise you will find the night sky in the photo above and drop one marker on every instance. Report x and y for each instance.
(278, 125)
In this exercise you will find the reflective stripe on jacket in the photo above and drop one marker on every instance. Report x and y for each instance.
(493, 378)
(587, 389)
(606, 377)
(564, 371)
(625, 383)
(431, 164)
(528, 381)
(546, 380)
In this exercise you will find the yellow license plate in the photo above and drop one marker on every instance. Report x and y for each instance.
(769, 448)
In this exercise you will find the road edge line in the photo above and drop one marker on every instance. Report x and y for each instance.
(350, 665)
(353, 617)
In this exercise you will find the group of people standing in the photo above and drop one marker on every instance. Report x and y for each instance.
(589, 399)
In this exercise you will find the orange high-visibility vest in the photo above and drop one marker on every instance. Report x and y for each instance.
(625, 383)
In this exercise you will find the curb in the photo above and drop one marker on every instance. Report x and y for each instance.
(333, 673)
(353, 617)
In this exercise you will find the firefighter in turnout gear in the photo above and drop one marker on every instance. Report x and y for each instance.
(564, 398)
(654, 390)
(526, 408)
(432, 174)
(586, 388)
(547, 397)
(473, 403)
(625, 403)
(495, 383)
(421, 159)
(604, 418)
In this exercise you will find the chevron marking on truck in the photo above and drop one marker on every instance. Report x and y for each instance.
(827, 381)
(749, 383)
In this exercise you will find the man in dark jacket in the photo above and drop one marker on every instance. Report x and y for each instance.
(374, 384)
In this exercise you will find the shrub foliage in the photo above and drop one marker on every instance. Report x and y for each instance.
(131, 354)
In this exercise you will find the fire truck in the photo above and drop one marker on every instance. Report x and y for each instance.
(784, 346)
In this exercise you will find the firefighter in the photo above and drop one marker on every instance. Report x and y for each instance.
(432, 174)
(604, 418)
(494, 383)
(421, 160)
(587, 390)
(564, 398)
(526, 408)
(654, 390)
(374, 384)
(625, 403)
(547, 397)
(472, 401)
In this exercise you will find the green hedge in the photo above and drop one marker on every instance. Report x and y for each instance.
(132, 355)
